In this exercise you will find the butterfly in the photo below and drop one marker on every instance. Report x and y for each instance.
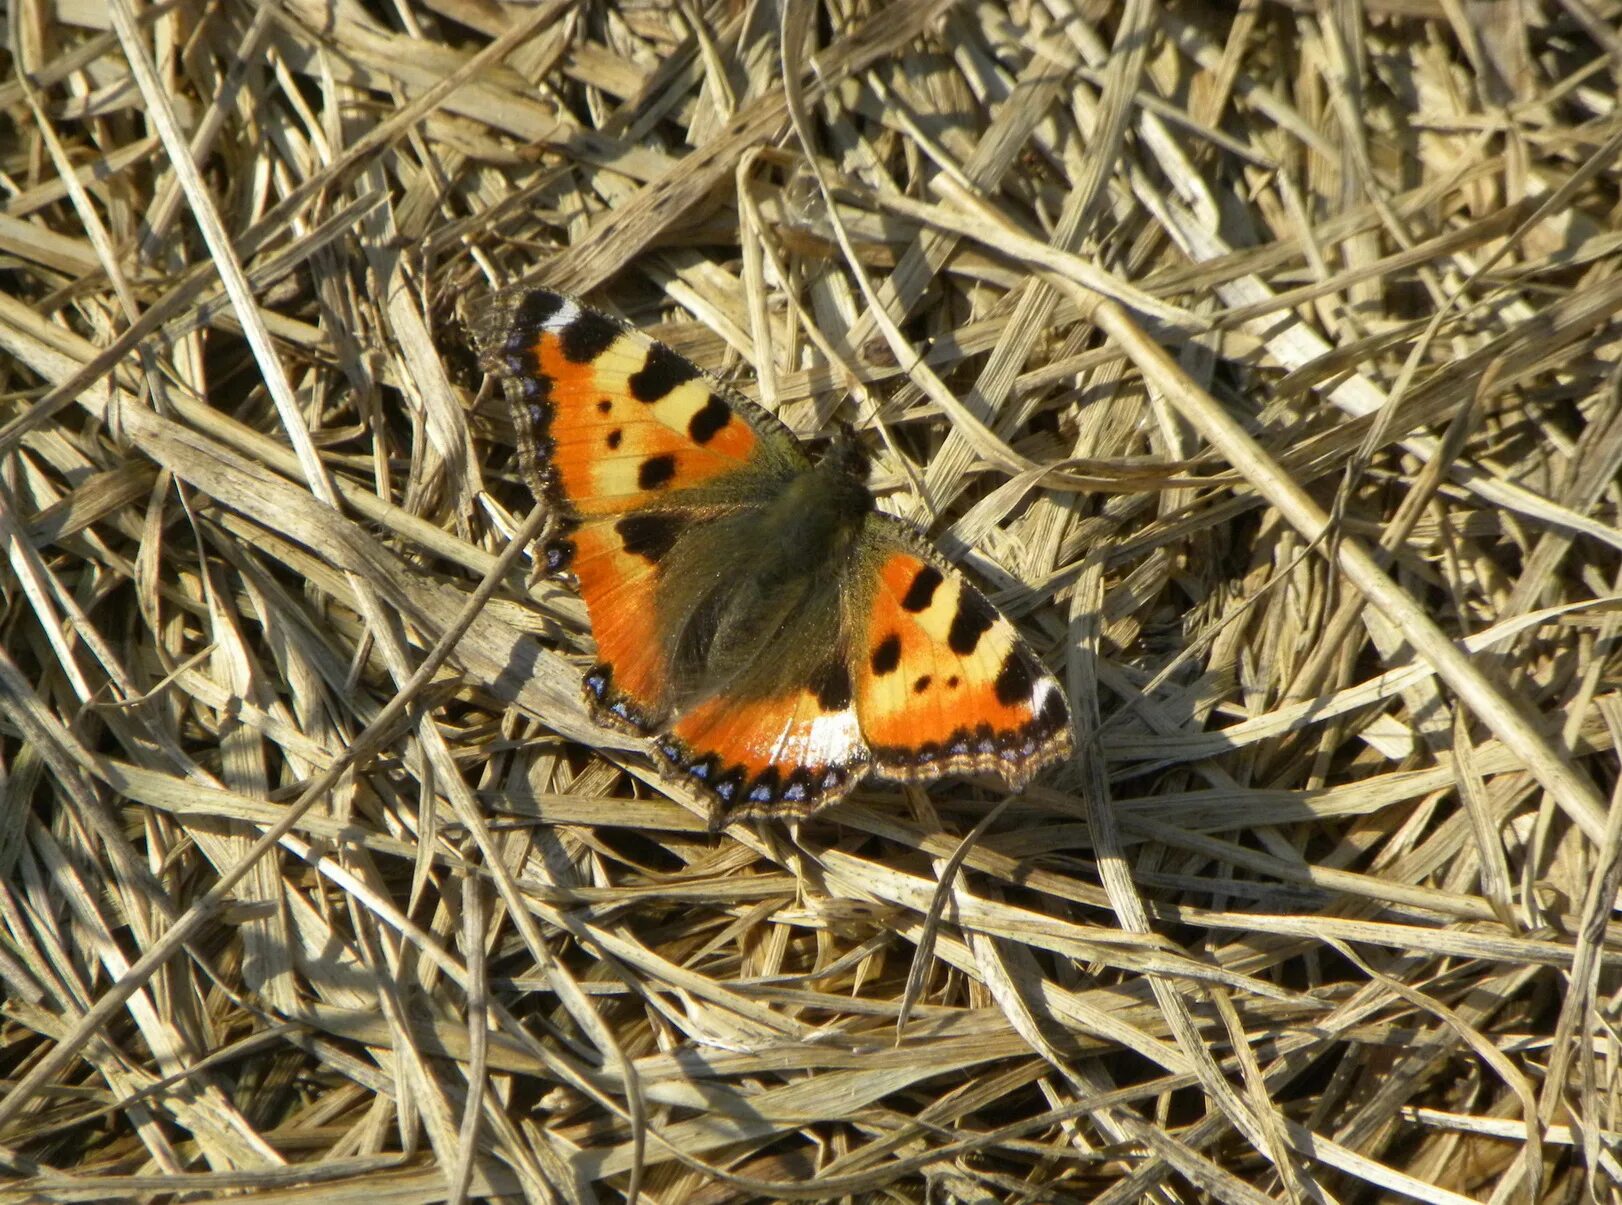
(776, 634)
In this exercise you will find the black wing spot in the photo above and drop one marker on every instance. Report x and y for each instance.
(614, 438)
(887, 655)
(1055, 712)
(587, 337)
(1014, 680)
(604, 405)
(974, 616)
(532, 314)
(831, 685)
(649, 536)
(922, 590)
(708, 420)
(952, 682)
(661, 372)
(921, 685)
(656, 471)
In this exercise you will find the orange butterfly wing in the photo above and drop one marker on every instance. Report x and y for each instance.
(784, 755)
(622, 437)
(943, 682)
(610, 421)
(614, 564)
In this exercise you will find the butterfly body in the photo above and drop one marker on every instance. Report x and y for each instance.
(754, 612)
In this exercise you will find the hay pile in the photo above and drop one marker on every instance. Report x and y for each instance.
(1263, 366)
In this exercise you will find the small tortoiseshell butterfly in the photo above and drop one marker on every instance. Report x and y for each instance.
(774, 632)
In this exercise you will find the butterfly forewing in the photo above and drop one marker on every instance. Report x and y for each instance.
(944, 682)
(614, 563)
(610, 421)
(633, 446)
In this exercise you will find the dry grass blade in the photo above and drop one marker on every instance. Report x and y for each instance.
(1262, 363)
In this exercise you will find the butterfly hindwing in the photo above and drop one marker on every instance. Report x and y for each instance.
(787, 754)
(943, 681)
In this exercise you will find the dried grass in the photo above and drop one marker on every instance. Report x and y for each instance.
(1264, 363)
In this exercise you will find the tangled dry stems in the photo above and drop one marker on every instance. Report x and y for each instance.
(1321, 911)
